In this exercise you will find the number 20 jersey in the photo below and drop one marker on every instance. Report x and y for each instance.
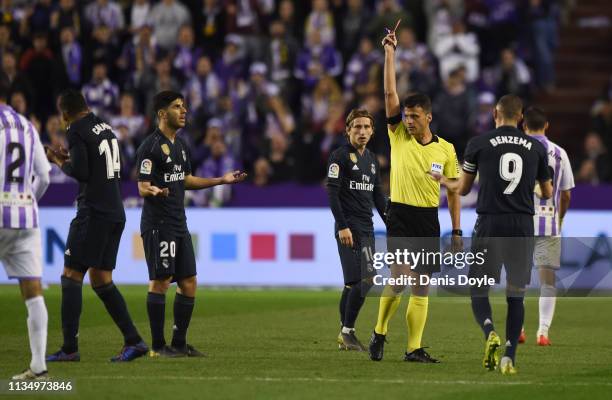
(97, 148)
(508, 163)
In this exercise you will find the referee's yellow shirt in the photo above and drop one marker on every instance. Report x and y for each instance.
(410, 162)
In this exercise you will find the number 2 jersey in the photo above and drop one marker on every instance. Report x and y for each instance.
(165, 165)
(95, 163)
(509, 163)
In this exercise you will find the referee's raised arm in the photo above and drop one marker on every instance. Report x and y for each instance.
(392, 102)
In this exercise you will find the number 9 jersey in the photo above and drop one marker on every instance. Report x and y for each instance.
(509, 163)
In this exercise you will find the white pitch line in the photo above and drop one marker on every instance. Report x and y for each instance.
(344, 380)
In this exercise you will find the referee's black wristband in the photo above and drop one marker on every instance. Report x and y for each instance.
(396, 119)
(457, 232)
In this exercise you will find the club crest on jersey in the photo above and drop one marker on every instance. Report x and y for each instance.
(165, 149)
(373, 168)
(146, 166)
(353, 157)
(184, 156)
(334, 171)
(435, 167)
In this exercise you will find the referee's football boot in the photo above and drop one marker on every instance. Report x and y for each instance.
(420, 355)
(491, 352)
(351, 342)
(61, 356)
(165, 352)
(377, 346)
(131, 352)
(188, 351)
(29, 375)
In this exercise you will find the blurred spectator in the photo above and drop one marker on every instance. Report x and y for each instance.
(217, 164)
(186, 54)
(315, 60)
(481, 120)
(511, 75)
(202, 151)
(40, 67)
(440, 16)
(150, 81)
(105, 12)
(127, 149)
(321, 20)
(19, 102)
(231, 66)
(210, 27)
(363, 71)
(387, 14)
(354, 23)
(503, 25)
(166, 18)
(103, 48)
(66, 15)
(37, 17)
(286, 13)
(261, 172)
(279, 120)
(134, 123)
(541, 24)
(601, 113)
(71, 57)
(595, 165)
(101, 94)
(229, 109)
(452, 108)
(409, 49)
(140, 52)
(139, 14)
(281, 167)
(6, 41)
(202, 90)
(459, 48)
(55, 137)
(18, 80)
(281, 53)
(410, 78)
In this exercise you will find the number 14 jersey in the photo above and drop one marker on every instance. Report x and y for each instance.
(508, 163)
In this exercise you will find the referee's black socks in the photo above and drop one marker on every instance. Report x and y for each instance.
(183, 308)
(72, 304)
(156, 308)
(116, 307)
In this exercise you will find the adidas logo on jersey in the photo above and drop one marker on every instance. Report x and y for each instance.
(168, 160)
(355, 168)
(67, 252)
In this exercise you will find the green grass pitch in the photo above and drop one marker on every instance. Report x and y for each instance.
(281, 344)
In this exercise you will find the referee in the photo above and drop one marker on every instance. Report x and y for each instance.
(412, 219)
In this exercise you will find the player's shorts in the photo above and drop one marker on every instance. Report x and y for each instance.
(357, 262)
(92, 243)
(547, 252)
(416, 229)
(21, 253)
(504, 239)
(169, 254)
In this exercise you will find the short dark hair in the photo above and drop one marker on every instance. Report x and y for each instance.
(72, 102)
(510, 106)
(164, 99)
(5, 85)
(534, 119)
(358, 113)
(417, 100)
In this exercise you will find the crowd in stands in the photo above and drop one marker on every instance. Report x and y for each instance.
(268, 82)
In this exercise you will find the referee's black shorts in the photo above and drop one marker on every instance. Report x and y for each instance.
(357, 261)
(504, 239)
(416, 229)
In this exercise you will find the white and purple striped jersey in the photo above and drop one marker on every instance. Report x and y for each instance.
(24, 171)
(546, 217)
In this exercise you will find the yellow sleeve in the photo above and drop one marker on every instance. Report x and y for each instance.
(399, 131)
(451, 168)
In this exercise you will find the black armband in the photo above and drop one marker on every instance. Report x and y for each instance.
(396, 119)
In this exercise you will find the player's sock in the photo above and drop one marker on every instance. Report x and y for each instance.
(156, 308)
(547, 308)
(116, 307)
(72, 303)
(416, 316)
(514, 324)
(355, 301)
(481, 307)
(343, 300)
(37, 332)
(183, 308)
(386, 308)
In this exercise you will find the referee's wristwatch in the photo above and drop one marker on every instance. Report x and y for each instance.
(457, 232)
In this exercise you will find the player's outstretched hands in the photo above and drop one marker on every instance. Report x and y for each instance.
(155, 191)
(57, 156)
(346, 237)
(234, 177)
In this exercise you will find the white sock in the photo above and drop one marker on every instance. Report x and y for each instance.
(547, 308)
(347, 330)
(37, 332)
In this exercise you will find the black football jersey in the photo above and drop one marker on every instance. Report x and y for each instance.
(509, 163)
(95, 163)
(165, 165)
(354, 188)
